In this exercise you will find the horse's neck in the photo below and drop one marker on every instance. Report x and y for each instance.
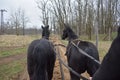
(45, 37)
(72, 37)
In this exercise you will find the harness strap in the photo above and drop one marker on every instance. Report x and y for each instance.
(84, 53)
(76, 40)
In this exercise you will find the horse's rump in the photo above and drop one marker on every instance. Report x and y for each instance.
(41, 58)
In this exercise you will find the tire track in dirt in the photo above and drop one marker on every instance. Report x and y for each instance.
(11, 58)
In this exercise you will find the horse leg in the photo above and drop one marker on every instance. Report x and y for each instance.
(78, 66)
(50, 67)
(73, 76)
(92, 67)
(76, 69)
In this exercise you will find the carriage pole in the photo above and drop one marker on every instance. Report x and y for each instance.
(61, 68)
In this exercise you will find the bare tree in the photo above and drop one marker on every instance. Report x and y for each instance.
(17, 20)
(83, 15)
(42, 5)
(24, 21)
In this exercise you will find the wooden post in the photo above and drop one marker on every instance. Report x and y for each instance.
(61, 68)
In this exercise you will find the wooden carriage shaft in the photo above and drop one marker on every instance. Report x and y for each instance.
(61, 68)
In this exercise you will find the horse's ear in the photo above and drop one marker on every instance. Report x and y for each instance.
(42, 27)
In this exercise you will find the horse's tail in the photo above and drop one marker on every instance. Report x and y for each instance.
(40, 63)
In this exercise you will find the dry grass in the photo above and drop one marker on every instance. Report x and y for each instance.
(13, 40)
(103, 48)
(15, 67)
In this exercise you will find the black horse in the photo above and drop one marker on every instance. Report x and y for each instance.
(41, 57)
(110, 66)
(76, 60)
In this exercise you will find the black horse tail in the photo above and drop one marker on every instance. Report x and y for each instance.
(40, 64)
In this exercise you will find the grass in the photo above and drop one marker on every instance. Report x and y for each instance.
(12, 52)
(12, 45)
(101, 36)
(11, 69)
(103, 48)
(15, 67)
(13, 40)
(19, 44)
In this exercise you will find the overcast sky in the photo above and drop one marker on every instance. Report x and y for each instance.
(29, 6)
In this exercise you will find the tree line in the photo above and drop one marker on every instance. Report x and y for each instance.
(16, 24)
(84, 16)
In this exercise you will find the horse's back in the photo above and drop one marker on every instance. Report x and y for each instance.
(40, 47)
(89, 48)
(43, 44)
(92, 51)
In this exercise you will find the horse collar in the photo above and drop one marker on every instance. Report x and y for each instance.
(76, 41)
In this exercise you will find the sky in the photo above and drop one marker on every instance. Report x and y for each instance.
(29, 6)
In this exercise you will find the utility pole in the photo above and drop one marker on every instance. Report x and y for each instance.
(2, 20)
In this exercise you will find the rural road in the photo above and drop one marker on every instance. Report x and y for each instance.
(56, 74)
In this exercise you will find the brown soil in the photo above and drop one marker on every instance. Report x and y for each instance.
(57, 74)
(9, 59)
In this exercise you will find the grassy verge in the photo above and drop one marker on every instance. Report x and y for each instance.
(11, 69)
(13, 40)
(12, 52)
(103, 48)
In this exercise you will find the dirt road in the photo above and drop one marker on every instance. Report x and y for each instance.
(57, 74)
